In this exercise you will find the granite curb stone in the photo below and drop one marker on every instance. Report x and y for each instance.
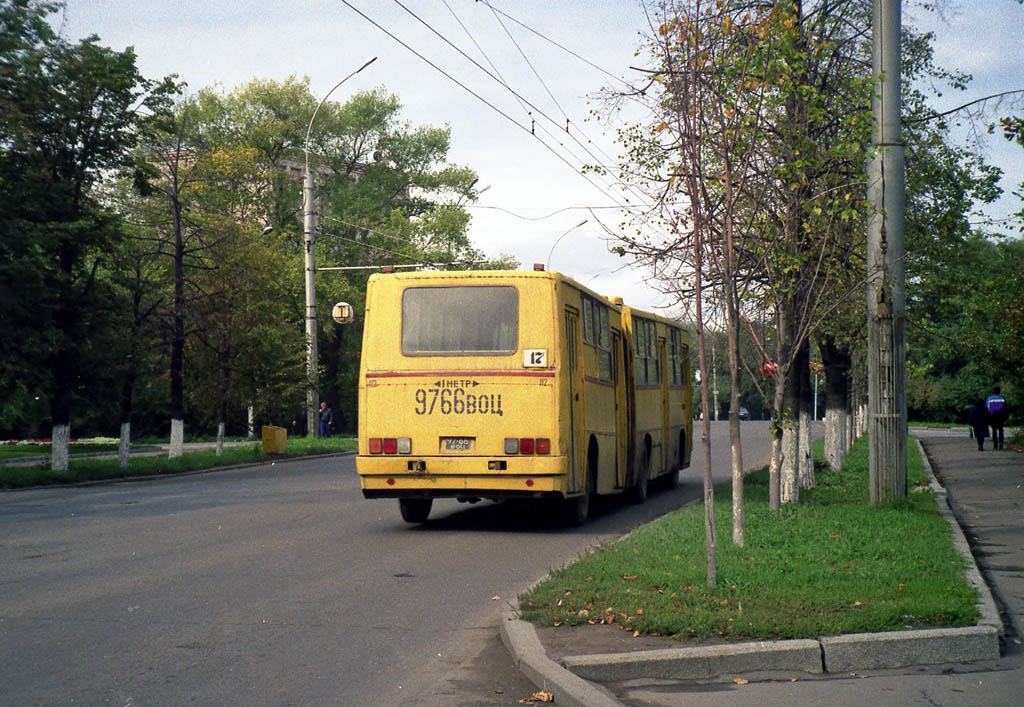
(700, 662)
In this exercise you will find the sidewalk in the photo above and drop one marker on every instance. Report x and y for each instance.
(985, 492)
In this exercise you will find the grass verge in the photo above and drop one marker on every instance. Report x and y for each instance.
(107, 468)
(20, 451)
(831, 564)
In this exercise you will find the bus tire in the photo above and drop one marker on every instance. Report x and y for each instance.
(415, 510)
(638, 493)
(575, 511)
(671, 479)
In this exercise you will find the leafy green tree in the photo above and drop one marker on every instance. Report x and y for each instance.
(73, 110)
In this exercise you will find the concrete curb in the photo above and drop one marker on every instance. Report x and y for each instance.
(568, 681)
(520, 638)
(986, 603)
(700, 662)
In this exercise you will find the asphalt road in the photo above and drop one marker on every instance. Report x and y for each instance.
(278, 584)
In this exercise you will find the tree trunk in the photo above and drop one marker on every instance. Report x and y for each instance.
(836, 361)
(59, 443)
(803, 371)
(775, 464)
(124, 447)
(714, 380)
(790, 463)
(733, 334)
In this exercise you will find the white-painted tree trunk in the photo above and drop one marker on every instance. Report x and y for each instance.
(59, 441)
(837, 424)
(788, 486)
(252, 422)
(177, 439)
(125, 445)
(806, 469)
(220, 439)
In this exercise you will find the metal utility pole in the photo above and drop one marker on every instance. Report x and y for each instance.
(887, 389)
(308, 238)
(312, 357)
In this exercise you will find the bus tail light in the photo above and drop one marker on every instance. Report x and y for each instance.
(390, 445)
(527, 445)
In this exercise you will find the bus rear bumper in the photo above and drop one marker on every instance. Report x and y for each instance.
(462, 477)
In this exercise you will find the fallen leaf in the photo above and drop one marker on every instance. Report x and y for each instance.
(629, 577)
(639, 612)
(636, 634)
(740, 681)
(499, 691)
(857, 603)
(794, 679)
(539, 697)
(495, 598)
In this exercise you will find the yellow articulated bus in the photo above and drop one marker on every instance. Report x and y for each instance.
(498, 385)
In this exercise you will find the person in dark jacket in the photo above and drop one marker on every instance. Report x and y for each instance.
(327, 419)
(995, 406)
(978, 420)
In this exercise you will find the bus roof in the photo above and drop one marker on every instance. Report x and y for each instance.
(430, 276)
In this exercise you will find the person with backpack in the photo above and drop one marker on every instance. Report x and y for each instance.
(995, 405)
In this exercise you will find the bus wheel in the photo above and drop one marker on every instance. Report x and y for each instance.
(415, 510)
(670, 480)
(575, 511)
(643, 475)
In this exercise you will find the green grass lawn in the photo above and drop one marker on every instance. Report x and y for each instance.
(97, 469)
(831, 564)
(21, 451)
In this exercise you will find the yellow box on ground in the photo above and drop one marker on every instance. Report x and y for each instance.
(275, 440)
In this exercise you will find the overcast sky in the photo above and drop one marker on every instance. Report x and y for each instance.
(533, 197)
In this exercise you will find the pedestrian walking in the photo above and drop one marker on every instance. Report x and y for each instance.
(978, 421)
(326, 420)
(995, 406)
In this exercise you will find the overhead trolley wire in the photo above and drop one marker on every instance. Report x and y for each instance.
(479, 98)
(553, 42)
(511, 90)
(501, 81)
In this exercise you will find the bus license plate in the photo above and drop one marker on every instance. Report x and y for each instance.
(457, 444)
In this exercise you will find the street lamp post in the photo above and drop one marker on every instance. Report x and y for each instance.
(548, 265)
(308, 238)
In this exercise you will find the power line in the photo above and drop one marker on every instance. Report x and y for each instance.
(507, 87)
(530, 64)
(477, 96)
(551, 41)
(555, 212)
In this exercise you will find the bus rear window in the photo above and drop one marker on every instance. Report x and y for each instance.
(439, 321)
